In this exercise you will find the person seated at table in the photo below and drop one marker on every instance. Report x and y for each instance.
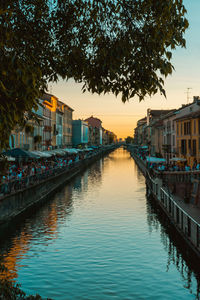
(175, 168)
(187, 167)
(194, 164)
(198, 166)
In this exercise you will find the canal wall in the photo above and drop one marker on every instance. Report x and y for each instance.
(184, 217)
(15, 204)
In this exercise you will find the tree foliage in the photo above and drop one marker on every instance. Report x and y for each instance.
(122, 47)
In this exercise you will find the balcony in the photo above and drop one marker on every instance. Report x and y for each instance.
(47, 128)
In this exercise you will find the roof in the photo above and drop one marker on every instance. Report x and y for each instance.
(94, 122)
(195, 100)
(47, 96)
(158, 123)
(160, 112)
(171, 113)
(191, 115)
(142, 120)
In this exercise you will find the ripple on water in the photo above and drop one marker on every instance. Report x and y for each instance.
(98, 238)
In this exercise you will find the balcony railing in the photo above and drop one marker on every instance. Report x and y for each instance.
(47, 128)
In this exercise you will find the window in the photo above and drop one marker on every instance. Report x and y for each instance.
(194, 126)
(16, 139)
(177, 129)
(59, 120)
(194, 144)
(187, 128)
(173, 137)
(183, 147)
(177, 215)
(189, 144)
(20, 139)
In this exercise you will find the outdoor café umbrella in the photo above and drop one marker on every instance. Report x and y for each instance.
(41, 154)
(157, 160)
(175, 159)
(20, 153)
(71, 150)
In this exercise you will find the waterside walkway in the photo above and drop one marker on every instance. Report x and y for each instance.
(185, 217)
(33, 190)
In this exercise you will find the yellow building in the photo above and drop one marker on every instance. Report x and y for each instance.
(67, 125)
(51, 102)
(188, 137)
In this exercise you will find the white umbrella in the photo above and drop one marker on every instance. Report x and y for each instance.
(10, 158)
(178, 159)
(71, 150)
(43, 154)
(156, 160)
(47, 153)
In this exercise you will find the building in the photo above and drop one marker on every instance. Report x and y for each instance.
(188, 137)
(95, 131)
(30, 136)
(80, 133)
(165, 132)
(67, 126)
(59, 125)
(140, 134)
(154, 130)
(169, 135)
(50, 102)
(156, 145)
(47, 137)
(61, 122)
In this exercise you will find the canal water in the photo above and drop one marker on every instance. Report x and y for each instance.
(98, 238)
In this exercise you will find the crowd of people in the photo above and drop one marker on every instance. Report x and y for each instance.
(172, 166)
(24, 172)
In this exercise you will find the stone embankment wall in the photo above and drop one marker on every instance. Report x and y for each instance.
(183, 216)
(19, 202)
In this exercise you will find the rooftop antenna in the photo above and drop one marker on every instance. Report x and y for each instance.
(188, 94)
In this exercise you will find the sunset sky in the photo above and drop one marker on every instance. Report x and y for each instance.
(121, 118)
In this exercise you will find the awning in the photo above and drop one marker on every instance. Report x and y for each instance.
(157, 160)
(89, 149)
(41, 153)
(178, 159)
(10, 158)
(71, 150)
(58, 151)
(20, 153)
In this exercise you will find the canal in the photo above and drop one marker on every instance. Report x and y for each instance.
(98, 238)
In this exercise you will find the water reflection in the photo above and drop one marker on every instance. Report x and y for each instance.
(42, 226)
(178, 254)
(102, 239)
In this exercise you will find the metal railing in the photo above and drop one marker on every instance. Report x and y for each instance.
(15, 185)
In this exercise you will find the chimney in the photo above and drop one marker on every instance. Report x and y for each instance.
(196, 98)
(148, 115)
